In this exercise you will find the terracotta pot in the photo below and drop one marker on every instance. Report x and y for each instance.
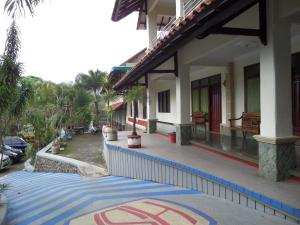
(134, 141)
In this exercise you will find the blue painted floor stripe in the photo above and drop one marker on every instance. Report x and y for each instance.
(56, 197)
(64, 185)
(26, 195)
(82, 195)
(69, 193)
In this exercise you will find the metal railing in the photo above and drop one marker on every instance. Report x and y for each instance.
(188, 7)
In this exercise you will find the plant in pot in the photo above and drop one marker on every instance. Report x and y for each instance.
(109, 131)
(55, 146)
(134, 95)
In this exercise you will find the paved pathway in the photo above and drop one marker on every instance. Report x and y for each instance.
(48, 199)
(13, 168)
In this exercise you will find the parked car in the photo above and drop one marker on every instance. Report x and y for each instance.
(15, 142)
(14, 154)
(5, 161)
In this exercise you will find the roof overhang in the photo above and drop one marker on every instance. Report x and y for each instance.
(123, 8)
(203, 21)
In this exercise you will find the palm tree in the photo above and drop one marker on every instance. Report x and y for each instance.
(109, 95)
(15, 8)
(92, 81)
(13, 92)
(134, 95)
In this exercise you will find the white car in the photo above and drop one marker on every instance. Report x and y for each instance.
(5, 161)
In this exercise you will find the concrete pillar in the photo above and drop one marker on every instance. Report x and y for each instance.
(276, 147)
(179, 8)
(151, 108)
(183, 92)
(151, 27)
(229, 99)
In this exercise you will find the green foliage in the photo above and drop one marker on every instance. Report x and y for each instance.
(4, 187)
(93, 81)
(16, 8)
(134, 95)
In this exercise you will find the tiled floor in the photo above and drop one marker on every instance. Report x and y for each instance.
(48, 199)
(236, 172)
(245, 148)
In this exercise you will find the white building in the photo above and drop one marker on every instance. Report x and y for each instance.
(221, 57)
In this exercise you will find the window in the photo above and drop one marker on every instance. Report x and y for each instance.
(252, 88)
(164, 101)
(200, 90)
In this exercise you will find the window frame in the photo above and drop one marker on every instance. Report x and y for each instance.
(164, 99)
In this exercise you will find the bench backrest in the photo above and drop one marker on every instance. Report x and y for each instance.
(198, 117)
(251, 120)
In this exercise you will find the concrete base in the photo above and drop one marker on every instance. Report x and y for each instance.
(183, 134)
(276, 158)
(152, 127)
(225, 130)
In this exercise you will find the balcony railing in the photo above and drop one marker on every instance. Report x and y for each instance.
(188, 7)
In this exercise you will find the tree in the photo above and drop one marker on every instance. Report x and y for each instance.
(92, 81)
(13, 92)
(15, 8)
(134, 95)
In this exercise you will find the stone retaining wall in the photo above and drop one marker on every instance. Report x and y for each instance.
(54, 166)
(47, 162)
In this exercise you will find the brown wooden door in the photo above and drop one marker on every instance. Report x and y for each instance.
(215, 107)
(296, 103)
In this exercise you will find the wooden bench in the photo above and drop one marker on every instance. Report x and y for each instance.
(198, 118)
(250, 123)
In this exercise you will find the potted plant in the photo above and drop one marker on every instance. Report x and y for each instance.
(55, 147)
(108, 130)
(134, 95)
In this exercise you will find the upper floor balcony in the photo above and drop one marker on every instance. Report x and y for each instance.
(187, 9)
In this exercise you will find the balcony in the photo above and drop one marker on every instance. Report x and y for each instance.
(188, 8)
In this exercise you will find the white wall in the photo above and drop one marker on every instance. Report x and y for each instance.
(164, 85)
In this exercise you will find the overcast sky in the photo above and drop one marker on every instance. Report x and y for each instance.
(67, 37)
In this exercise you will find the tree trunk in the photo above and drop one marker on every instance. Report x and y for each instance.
(134, 117)
(1, 144)
(96, 109)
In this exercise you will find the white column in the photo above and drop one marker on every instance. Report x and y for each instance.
(183, 92)
(151, 101)
(151, 27)
(275, 75)
(179, 8)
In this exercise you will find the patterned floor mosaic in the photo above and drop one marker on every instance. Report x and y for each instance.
(68, 199)
(45, 198)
